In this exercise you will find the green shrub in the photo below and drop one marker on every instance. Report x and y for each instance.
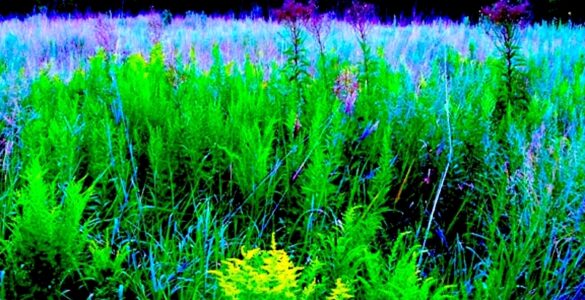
(48, 238)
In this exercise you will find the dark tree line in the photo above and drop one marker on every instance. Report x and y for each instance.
(562, 10)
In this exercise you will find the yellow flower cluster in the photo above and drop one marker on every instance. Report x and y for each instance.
(260, 274)
(340, 292)
(267, 274)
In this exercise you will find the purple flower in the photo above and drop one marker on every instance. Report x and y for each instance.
(349, 102)
(360, 15)
(346, 89)
(503, 12)
(292, 12)
(369, 130)
(370, 175)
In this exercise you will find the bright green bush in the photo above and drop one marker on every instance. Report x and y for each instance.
(48, 240)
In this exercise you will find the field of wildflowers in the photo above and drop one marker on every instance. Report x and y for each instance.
(305, 157)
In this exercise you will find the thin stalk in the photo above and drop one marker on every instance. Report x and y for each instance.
(446, 170)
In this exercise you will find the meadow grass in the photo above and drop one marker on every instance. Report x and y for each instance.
(181, 162)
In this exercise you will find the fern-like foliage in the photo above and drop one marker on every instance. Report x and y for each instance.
(105, 269)
(353, 249)
(402, 279)
(47, 242)
(396, 277)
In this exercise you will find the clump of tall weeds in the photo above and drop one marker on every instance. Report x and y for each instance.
(104, 32)
(506, 18)
(47, 242)
(9, 133)
(294, 16)
(319, 26)
(155, 27)
(361, 17)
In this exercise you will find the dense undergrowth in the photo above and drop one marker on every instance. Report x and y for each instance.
(141, 177)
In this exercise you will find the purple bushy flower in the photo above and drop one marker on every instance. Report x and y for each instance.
(360, 16)
(503, 12)
(346, 89)
(293, 12)
(349, 102)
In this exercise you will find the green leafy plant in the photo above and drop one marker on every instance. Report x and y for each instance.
(269, 274)
(3, 66)
(361, 17)
(402, 277)
(105, 270)
(295, 16)
(505, 19)
(319, 25)
(47, 243)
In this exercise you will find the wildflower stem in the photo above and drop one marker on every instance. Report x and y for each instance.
(446, 170)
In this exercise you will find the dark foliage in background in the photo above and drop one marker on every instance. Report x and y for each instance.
(560, 10)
